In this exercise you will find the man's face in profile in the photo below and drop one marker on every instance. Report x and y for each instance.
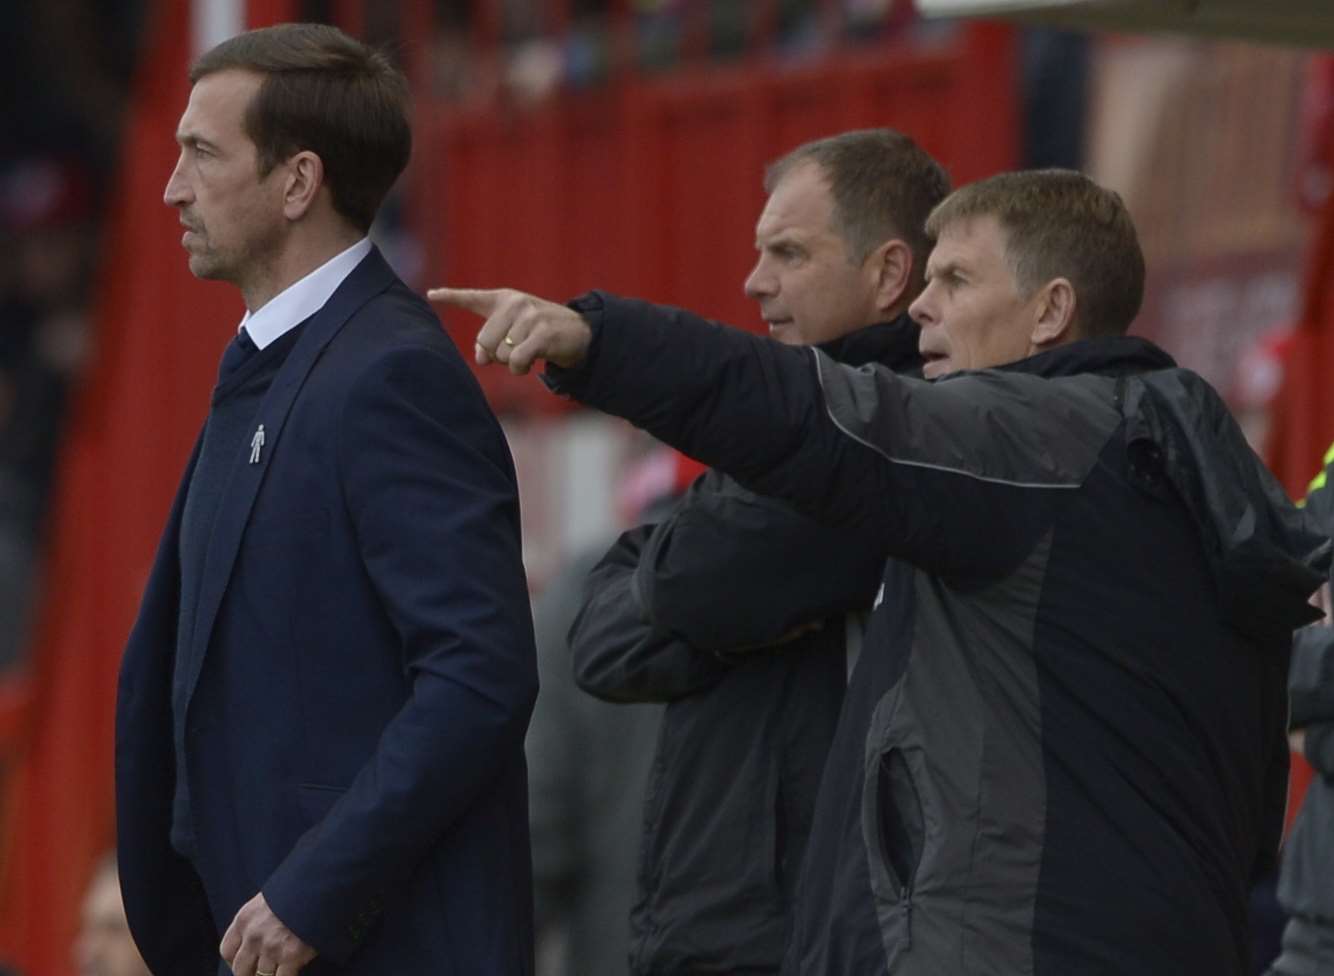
(809, 288)
(232, 216)
(104, 946)
(972, 313)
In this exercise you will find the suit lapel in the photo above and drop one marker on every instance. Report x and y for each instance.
(368, 279)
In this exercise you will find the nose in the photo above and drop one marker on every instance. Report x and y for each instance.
(922, 309)
(760, 283)
(177, 192)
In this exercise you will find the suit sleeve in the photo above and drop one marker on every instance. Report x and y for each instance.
(618, 653)
(430, 490)
(923, 469)
(165, 904)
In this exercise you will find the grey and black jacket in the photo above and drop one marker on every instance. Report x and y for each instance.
(1306, 883)
(692, 611)
(1064, 746)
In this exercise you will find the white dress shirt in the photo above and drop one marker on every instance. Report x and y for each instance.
(302, 299)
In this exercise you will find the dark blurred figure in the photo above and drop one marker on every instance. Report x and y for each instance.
(46, 206)
(1306, 879)
(65, 69)
(588, 763)
(1055, 73)
(104, 946)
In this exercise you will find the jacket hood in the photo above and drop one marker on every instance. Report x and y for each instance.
(892, 344)
(1266, 554)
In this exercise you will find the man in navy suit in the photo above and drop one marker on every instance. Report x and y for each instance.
(322, 706)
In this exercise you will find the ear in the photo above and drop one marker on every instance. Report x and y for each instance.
(891, 264)
(305, 176)
(1054, 322)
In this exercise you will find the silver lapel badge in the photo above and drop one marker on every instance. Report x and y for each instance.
(256, 443)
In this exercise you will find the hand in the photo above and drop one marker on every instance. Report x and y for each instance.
(257, 942)
(520, 328)
(1297, 741)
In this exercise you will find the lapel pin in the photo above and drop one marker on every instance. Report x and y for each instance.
(256, 443)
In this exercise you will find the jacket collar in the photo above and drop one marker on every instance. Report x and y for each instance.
(892, 344)
(1109, 356)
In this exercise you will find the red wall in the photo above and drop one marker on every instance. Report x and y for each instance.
(653, 188)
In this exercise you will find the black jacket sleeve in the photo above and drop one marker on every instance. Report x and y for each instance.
(923, 469)
(730, 570)
(726, 571)
(618, 653)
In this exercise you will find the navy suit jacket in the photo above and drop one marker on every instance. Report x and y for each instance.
(361, 676)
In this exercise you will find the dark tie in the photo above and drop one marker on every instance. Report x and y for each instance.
(238, 351)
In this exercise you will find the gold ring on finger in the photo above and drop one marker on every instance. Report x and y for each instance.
(509, 342)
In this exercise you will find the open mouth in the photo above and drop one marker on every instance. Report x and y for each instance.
(933, 363)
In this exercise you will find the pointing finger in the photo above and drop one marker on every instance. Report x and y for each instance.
(480, 301)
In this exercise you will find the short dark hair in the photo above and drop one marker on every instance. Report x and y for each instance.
(1060, 224)
(327, 93)
(884, 185)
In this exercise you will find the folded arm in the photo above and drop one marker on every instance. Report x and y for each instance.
(618, 653)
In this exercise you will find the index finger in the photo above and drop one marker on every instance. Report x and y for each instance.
(481, 301)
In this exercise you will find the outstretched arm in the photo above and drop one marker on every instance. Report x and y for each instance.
(923, 470)
(751, 407)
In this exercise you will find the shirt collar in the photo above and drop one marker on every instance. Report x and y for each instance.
(299, 301)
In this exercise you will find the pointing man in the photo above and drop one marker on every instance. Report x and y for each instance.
(1064, 747)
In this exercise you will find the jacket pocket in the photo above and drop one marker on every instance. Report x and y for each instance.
(895, 831)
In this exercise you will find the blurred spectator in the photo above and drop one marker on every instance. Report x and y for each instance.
(104, 946)
(65, 68)
(588, 766)
(1256, 382)
(46, 206)
(542, 54)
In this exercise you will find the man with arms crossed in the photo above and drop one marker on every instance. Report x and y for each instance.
(671, 606)
(322, 705)
(1063, 749)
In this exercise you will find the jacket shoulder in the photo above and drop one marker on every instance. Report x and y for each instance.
(988, 425)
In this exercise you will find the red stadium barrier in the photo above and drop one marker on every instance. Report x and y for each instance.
(652, 187)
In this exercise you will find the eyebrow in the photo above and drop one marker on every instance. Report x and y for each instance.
(194, 141)
(944, 268)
